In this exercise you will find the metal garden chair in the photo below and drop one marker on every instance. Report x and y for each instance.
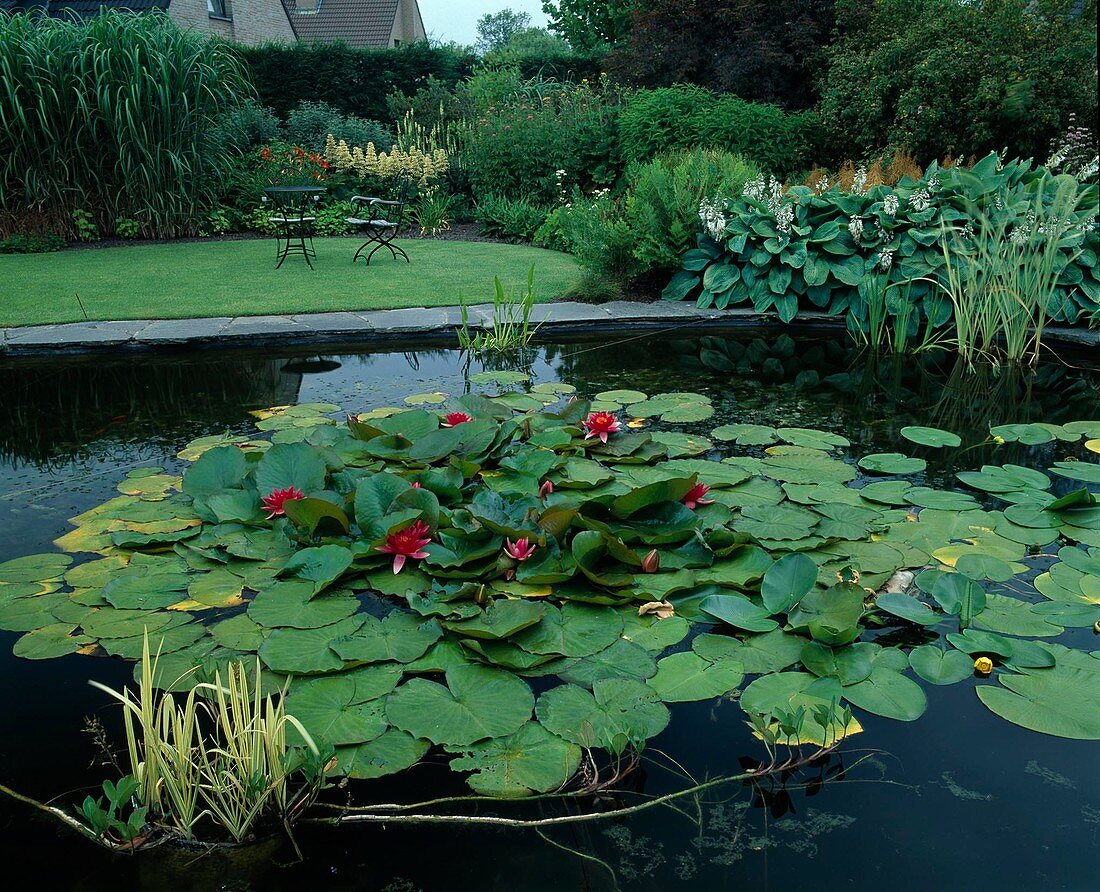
(381, 231)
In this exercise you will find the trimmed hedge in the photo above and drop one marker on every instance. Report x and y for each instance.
(355, 81)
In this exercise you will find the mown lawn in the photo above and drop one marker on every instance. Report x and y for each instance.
(238, 278)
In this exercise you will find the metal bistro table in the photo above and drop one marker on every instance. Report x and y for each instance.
(294, 225)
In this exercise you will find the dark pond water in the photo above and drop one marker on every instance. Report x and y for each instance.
(959, 799)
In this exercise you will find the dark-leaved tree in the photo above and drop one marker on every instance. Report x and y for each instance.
(760, 50)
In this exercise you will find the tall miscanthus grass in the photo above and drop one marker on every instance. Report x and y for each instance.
(114, 115)
(1002, 270)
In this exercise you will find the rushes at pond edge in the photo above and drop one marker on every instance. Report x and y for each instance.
(511, 323)
(1002, 275)
(235, 775)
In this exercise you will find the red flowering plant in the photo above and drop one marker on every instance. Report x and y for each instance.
(281, 164)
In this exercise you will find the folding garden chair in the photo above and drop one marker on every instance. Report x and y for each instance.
(381, 231)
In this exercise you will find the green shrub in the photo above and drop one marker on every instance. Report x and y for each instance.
(127, 139)
(310, 124)
(33, 243)
(939, 76)
(662, 203)
(127, 228)
(596, 233)
(247, 127)
(653, 121)
(836, 250)
(686, 116)
(512, 219)
(515, 149)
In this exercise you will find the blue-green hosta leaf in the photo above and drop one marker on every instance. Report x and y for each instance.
(477, 703)
(532, 760)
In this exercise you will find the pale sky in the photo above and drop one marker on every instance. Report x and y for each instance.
(457, 19)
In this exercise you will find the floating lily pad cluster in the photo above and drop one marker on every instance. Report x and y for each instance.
(411, 570)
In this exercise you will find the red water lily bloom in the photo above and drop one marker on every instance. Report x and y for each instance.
(695, 496)
(600, 424)
(274, 502)
(416, 485)
(453, 418)
(409, 543)
(546, 488)
(519, 550)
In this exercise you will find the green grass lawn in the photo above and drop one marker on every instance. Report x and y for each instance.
(238, 278)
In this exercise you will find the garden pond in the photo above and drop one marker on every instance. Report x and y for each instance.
(828, 471)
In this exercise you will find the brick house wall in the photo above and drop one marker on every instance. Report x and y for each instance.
(246, 21)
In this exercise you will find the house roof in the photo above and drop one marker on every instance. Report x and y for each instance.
(82, 8)
(358, 23)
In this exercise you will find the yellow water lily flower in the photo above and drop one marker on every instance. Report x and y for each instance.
(983, 666)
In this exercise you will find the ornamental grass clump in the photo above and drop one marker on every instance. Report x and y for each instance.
(220, 757)
(115, 114)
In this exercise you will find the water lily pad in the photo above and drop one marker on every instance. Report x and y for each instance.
(48, 642)
(674, 407)
(747, 434)
(401, 637)
(687, 676)
(346, 708)
(389, 753)
(623, 659)
(1060, 701)
(532, 760)
(758, 654)
(34, 568)
(652, 633)
(618, 712)
(908, 608)
(291, 604)
(575, 630)
(740, 612)
(938, 666)
(812, 439)
(476, 703)
(888, 693)
(306, 651)
(238, 633)
(932, 437)
(892, 463)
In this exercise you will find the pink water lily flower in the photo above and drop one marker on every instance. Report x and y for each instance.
(546, 488)
(275, 501)
(452, 419)
(409, 543)
(519, 550)
(600, 424)
(695, 496)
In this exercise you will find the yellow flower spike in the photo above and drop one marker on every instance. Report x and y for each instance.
(983, 666)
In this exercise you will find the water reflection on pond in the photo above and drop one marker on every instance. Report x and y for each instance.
(960, 798)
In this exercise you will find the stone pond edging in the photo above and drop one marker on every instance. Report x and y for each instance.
(436, 324)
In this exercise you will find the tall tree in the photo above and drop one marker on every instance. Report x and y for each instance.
(757, 49)
(590, 24)
(495, 29)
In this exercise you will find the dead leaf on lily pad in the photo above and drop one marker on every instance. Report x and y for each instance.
(659, 609)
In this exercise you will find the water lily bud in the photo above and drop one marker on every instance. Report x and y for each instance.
(1096, 627)
(983, 666)
(651, 563)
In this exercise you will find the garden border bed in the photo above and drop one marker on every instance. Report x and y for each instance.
(423, 324)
